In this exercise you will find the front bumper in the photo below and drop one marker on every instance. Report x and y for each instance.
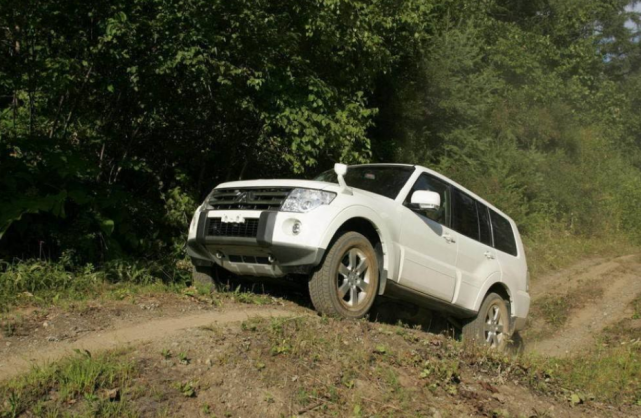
(269, 253)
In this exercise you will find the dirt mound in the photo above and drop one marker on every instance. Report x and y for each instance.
(304, 365)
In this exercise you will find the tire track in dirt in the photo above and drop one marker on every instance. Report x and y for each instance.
(620, 282)
(14, 365)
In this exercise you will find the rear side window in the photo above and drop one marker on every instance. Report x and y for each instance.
(464, 217)
(484, 224)
(503, 234)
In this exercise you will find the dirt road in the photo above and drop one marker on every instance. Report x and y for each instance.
(589, 297)
(593, 294)
(36, 350)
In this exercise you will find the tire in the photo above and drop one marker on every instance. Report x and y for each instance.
(491, 327)
(204, 277)
(346, 284)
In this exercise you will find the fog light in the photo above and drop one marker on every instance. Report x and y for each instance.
(219, 255)
(296, 228)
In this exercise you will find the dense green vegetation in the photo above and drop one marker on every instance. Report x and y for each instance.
(117, 117)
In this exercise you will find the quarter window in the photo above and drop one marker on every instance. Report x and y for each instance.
(464, 217)
(503, 234)
(430, 183)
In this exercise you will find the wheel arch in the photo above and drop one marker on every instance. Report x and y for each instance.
(498, 287)
(365, 223)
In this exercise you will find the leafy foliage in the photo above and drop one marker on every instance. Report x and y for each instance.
(117, 118)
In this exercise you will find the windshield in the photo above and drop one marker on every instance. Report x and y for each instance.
(385, 180)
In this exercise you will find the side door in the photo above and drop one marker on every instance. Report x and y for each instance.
(429, 246)
(476, 261)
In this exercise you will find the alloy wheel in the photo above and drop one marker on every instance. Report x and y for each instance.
(494, 329)
(353, 276)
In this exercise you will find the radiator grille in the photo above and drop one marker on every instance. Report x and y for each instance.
(247, 229)
(249, 199)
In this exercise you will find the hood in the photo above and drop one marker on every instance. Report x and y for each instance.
(306, 184)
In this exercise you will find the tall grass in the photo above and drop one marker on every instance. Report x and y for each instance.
(45, 282)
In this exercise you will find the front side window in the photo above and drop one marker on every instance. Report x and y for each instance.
(430, 183)
(503, 234)
(380, 179)
(464, 216)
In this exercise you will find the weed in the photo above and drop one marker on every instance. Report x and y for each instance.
(445, 370)
(380, 349)
(636, 305)
(250, 297)
(166, 353)
(205, 409)
(252, 324)
(282, 347)
(11, 325)
(554, 309)
(187, 389)
(183, 359)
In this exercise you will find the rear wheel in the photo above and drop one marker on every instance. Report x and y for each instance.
(347, 282)
(491, 327)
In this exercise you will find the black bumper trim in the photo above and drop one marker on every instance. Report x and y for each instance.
(201, 230)
(266, 224)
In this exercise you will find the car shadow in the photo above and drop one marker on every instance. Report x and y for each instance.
(289, 288)
(385, 310)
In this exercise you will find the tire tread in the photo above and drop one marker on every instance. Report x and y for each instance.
(320, 285)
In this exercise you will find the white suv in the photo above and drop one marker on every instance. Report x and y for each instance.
(379, 229)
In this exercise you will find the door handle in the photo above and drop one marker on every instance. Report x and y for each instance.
(450, 239)
(489, 255)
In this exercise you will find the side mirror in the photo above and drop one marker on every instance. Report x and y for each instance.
(340, 169)
(426, 200)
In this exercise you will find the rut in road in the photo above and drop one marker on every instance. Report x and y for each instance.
(616, 282)
(17, 364)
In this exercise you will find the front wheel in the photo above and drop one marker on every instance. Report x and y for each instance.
(491, 327)
(346, 284)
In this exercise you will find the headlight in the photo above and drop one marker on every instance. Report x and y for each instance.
(305, 200)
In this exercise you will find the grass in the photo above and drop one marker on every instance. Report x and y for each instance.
(550, 251)
(607, 374)
(89, 385)
(555, 309)
(43, 283)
